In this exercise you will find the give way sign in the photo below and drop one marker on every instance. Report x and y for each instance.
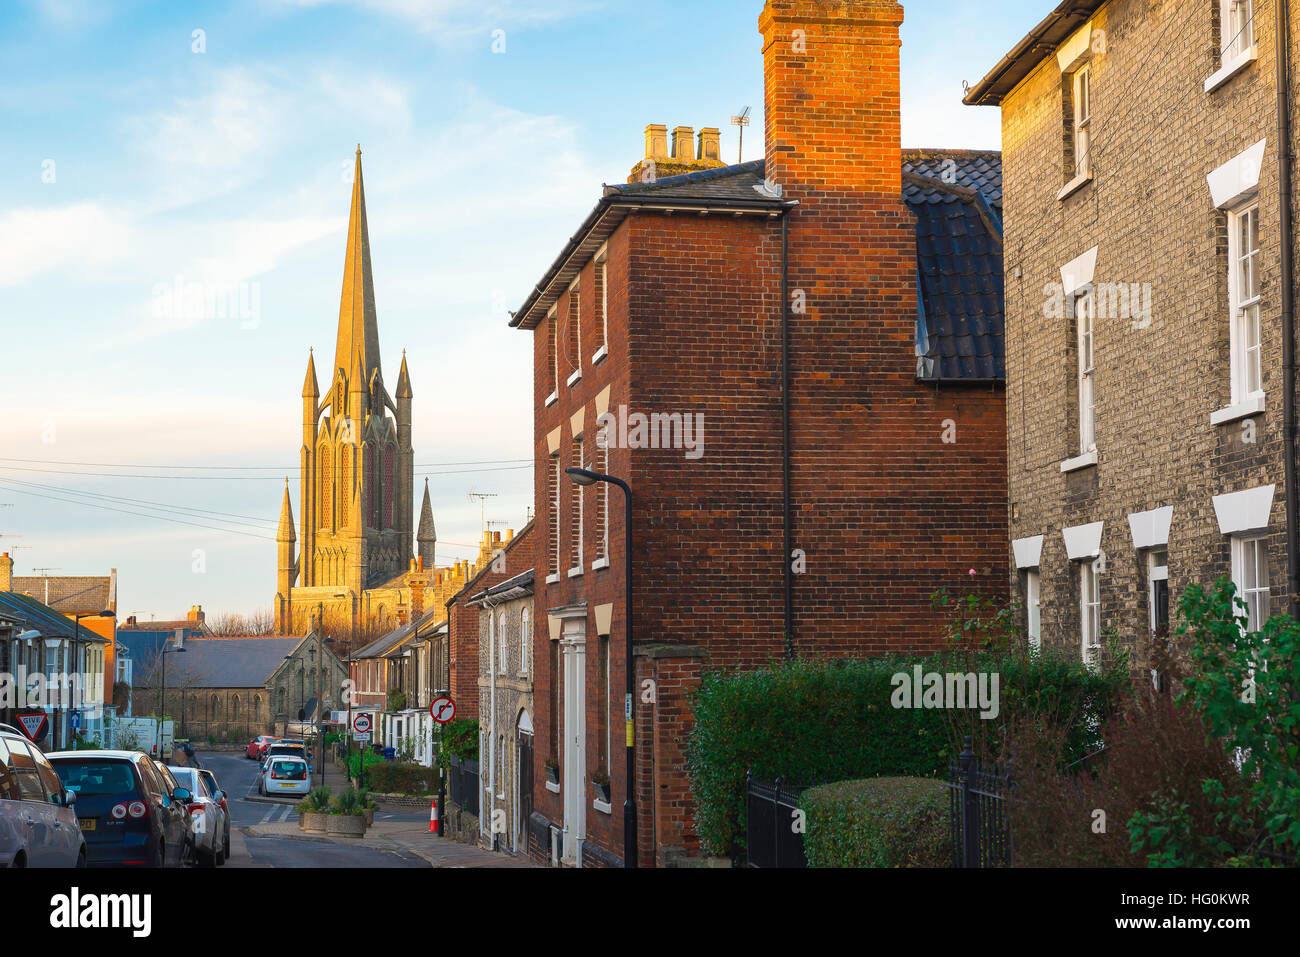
(33, 725)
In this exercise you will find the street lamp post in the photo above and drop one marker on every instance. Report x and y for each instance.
(588, 477)
(162, 708)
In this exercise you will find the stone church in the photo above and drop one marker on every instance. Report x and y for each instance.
(352, 565)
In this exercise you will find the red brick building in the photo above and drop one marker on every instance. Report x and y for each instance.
(832, 314)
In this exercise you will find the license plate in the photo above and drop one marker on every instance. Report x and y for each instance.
(87, 823)
(288, 784)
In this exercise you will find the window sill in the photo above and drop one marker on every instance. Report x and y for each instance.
(1231, 69)
(552, 578)
(1083, 461)
(599, 563)
(553, 788)
(576, 377)
(601, 353)
(1242, 410)
(1074, 185)
(553, 398)
(601, 806)
(575, 572)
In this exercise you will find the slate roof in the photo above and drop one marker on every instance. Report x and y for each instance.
(229, 662)
(735, 182)
(382, 646)
(36, 616)
(68, 593)
(959, 322)
(979, 170)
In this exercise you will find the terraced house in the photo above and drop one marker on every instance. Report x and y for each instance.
(1148, 249)
(796, 365)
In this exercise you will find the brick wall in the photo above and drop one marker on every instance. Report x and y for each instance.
(1149, 212)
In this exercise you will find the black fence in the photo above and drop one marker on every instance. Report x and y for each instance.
(462, 785)
(771, 837)
(977, 812)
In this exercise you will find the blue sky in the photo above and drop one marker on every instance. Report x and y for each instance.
(134, 166)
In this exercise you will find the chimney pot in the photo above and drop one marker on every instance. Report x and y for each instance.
(710, 144)
(682, 144)
(656, 142)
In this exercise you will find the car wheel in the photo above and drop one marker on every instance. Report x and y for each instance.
(20, 860)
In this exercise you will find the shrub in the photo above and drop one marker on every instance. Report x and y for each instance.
(347, 802)
(396, 699)
(810, 722)
(877, 822)
(459, 737)
(317, 800)
(395, 777)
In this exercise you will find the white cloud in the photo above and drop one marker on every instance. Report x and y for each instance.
(240, 118)
(459, 17)
(84, 235)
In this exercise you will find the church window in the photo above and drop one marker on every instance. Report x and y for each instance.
(390, 483)
(345, 483)
(372, 488)
(326, 465)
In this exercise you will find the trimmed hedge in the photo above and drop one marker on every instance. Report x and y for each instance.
(815, 721)
(393, 777)
(878, 822)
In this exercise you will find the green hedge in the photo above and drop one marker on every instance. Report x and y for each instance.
(879, 822)
(811, 722)
(393, 777)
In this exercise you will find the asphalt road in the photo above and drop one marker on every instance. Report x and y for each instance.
(237, 776)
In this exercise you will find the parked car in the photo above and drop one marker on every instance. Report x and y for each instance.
(284, 774)
(38, 823)
(130, 814)
(207, 819)
(257, 747)
(169, 780)
(218, 795)
(295, 749)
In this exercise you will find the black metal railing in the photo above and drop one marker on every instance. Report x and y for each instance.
(772, 838)
(462, 785)
(977, 812)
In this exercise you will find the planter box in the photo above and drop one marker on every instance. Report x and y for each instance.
(345, 825)
(313, 822)
(370, 816)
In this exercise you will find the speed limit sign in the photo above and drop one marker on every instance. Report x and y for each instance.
(361, 723)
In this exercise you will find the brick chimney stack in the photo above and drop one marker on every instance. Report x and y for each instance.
(831, 90)
(6, 572)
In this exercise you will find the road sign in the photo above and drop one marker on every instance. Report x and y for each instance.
(74, 720)
(33, 725)
(443, 709)
(361, 723)
(362, 736)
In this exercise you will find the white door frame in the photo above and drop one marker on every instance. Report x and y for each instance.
(574, 643)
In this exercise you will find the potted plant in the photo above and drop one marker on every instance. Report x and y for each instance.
(314, 810)
(368, 805)
(600, 781)
(347, 818)
(552, 770)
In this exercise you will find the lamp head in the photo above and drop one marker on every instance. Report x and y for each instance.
(582, 476)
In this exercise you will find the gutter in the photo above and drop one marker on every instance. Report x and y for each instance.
(1287, 269)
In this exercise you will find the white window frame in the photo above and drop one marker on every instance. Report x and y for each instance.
(556, 518)
(1033, 609)
(524, 641)
(1081, 94)
(1155, 573)
(1244, 307)
(503, 645)
(1085, 313)
(602, 267)
(1089, 613)
(1250, 587)
(1236, 29)
(578, 490)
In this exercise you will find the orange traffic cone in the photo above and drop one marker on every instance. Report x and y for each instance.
(433, 817)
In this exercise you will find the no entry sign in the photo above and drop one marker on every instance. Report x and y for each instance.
(443, 709)
(361, 723)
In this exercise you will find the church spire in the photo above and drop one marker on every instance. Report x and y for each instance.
(426, 535)
(310, 387)
(358, 338)
(285, 533)
(404, 380)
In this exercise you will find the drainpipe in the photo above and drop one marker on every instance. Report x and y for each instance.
(1285, 262)
(788, 577)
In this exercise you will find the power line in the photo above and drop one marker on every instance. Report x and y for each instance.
(215, 468)
(230, 478)
(204, 512)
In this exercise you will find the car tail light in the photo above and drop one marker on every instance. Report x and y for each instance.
(196, 808)
(274, 776)
(118, 812)
(137, 809)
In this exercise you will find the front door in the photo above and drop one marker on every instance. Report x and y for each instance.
(523, 788)
(575, 739)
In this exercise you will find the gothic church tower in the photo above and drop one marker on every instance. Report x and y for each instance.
(357, 463)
